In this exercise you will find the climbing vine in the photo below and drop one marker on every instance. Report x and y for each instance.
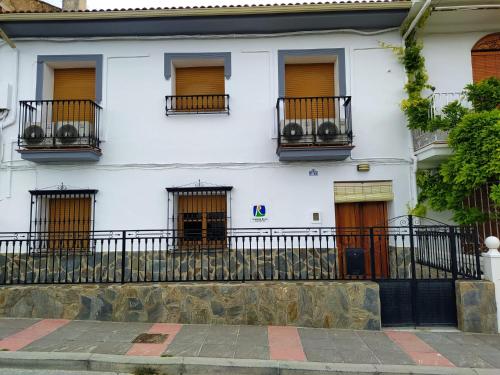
(474, 136)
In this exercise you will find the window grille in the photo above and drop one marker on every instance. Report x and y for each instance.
(62, 220)
(199, 216)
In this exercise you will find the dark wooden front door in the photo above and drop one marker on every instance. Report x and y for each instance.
(354, 221)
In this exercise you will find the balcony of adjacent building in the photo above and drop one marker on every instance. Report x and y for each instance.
(59, 130)
(431, 147)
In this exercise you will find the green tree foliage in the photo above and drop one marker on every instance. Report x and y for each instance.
(475, 140)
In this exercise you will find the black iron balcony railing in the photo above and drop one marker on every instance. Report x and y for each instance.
(314, 121)
(58, 124)
(197, 104)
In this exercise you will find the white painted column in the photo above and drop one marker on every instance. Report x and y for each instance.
(492, 269)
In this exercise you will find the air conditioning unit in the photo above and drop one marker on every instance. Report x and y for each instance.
(68, 133)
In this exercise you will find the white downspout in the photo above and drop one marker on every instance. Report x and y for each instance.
(416, 19)
(9, 121)
(414, 166)
(11, 118)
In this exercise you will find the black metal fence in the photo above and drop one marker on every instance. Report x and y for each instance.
(377, 253)
(197, 104)
(314, 121)
(59, 124)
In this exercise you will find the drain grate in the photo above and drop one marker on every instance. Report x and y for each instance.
(150, 338)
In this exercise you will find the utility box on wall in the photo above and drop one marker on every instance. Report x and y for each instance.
(5, 96)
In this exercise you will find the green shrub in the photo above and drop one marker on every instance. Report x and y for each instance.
(484, 95)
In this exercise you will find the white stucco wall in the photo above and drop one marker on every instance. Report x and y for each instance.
(448, 58)
(145, 151)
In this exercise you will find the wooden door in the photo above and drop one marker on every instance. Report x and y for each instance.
(311, 81)
(74, 85)
(202, 221)
(353, 228)
(69, 224)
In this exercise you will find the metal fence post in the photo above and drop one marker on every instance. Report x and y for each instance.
(124, 238)
(414, 289)
(372, 253)
(453, 254)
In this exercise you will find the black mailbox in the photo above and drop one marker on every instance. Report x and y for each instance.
(355, 259)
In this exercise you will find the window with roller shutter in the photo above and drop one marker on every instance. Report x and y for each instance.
(200, 88)
(315, 81)
(74, 86)
(486, 58)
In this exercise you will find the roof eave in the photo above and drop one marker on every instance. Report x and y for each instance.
(202, 12)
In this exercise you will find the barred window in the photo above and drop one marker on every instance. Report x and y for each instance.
(62, 220)
(199, 216)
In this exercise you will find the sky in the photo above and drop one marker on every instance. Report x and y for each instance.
(103, 4)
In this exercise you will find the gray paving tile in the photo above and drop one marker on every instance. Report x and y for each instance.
(10, 327)
(63, 346)
(313, 334)
(326, 344)
(460, 350)
(384, 348)
(184, 348)
(252, 352)
(118, 348)
(323, 355)
(492, 340)
(217, 351)
(253, 333)
(252, 343)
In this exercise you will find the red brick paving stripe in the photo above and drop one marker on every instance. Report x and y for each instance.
(285, 344)
(31, 334)
(419, 351)
(156, 349)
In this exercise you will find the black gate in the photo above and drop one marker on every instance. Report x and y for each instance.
(424, 263)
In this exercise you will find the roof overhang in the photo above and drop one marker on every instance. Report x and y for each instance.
(208, 21)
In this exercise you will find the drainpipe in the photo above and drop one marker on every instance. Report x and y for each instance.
(417, 18)
(414, 166)
(9, 119)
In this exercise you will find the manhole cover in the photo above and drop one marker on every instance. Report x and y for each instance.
(150, 338)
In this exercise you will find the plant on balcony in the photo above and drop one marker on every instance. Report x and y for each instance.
(475, 140)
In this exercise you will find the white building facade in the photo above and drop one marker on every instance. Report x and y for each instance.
(138, 146)
(142, 151)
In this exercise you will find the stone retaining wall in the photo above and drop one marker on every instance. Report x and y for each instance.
(476, 306)
(349, 305)
(161, 265)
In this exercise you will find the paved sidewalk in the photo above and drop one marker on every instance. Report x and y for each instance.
(446, 349)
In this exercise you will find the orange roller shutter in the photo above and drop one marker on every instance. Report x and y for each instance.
(205, 80)
(485, 64)
(73, 84)
(310, 80)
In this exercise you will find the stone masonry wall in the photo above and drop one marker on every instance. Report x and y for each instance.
(184, 265)
(339, 304)
(476, 306)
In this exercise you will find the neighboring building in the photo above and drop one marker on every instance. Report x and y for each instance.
(26, 6)
(191, 118)
(461, 45)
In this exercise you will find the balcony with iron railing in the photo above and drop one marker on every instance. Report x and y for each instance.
(197, 104)
(314, 128)
(431, 147)
(59, 130)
